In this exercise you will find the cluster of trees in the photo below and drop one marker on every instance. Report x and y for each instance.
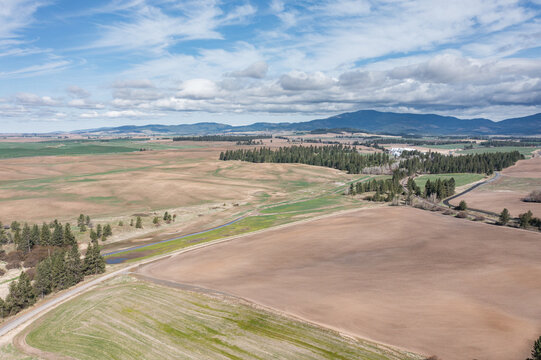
(26, 237)
(60, 270)
(101, 232)
(167, 217)
(439, 188)
(234, 138)
(385, 190)
(83, 222)
(527, 219)
(250, 142)
(436, 163)
(502, 143)
(336, 156)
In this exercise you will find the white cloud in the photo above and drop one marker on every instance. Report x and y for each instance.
(35, 100)
(198, 89)
(297, 80)
(77, 92)
(257, 70)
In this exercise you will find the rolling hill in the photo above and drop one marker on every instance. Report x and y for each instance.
(365, 120)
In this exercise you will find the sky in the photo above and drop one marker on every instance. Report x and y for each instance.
(67, 65)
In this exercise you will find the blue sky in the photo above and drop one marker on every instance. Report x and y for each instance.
(68, 65)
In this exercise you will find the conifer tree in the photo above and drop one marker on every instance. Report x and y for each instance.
(536, 350)
(58, 271)
(139, 223)
(107, 231)
(93, 235)
(87, 220)
(15, 226)
(94, 263)
(25, 244)
(35, 235)
(69, 238)
(57, 238)
(43, 278)
(45, 235)
(74, 270)
(131, 222)
(99, 231)
(504, 217)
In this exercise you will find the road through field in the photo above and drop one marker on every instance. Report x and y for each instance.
(494, 178)
(17, 324)
(422, 281)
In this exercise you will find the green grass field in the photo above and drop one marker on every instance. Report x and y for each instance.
(446, 146)
(461, 179)
(128, 318)
(271, 216)
(77, 147)
(526, 151)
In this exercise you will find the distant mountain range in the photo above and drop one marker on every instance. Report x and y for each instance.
(365, 120)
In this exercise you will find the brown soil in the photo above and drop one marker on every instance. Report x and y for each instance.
(44, 188)
(515, 183)
(422, 281)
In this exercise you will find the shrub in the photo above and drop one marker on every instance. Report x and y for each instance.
(2, 272)
(534, 196)
(13, 265)
(462, 206)
(31, 273)
(448, 212)
(478, 218)
(462, 215)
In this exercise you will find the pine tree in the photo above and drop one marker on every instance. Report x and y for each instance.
(15, 226)
(69, 238)
(74, 270)
(504, 217)
(45, 236)
(165, 216)
(57, 238)
(156, 221)
(26, 290)
(139, 223)
(525, 219)
(25, 244)
(35, 235)
(462, 206)
(131, 222)
(94, 263)
(58, 271)
(42, 280)
(536, 350)
(3, 236)
(99, 231)
(107, 231)
(93, 235)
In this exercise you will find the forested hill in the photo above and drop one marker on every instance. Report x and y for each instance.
(364, 120)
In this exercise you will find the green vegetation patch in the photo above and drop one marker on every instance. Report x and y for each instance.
(302, 205)
(526, 151)
(132, 319)
(79, 147)
(461, 179)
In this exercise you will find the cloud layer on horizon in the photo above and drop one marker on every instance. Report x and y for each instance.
(122, 61)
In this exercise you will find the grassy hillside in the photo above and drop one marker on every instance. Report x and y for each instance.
(461, 179)
(132, 319)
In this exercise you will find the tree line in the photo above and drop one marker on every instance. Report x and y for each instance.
(234, 138)
(435, 163)
(341, 157)
(60, 270)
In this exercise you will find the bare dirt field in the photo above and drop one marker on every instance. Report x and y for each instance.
(43, 188)
(418, 280)
(508, 191)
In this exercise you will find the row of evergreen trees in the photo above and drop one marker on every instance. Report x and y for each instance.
(60, 270)
(439, 188)
(343, 157)
(25, 238)
(436, 163)
(336, 156)
(222, 138)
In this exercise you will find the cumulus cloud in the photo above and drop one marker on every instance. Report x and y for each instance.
(77, 92)
(35, 100)
(298, 80)
(257, 70)
(198, 89)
